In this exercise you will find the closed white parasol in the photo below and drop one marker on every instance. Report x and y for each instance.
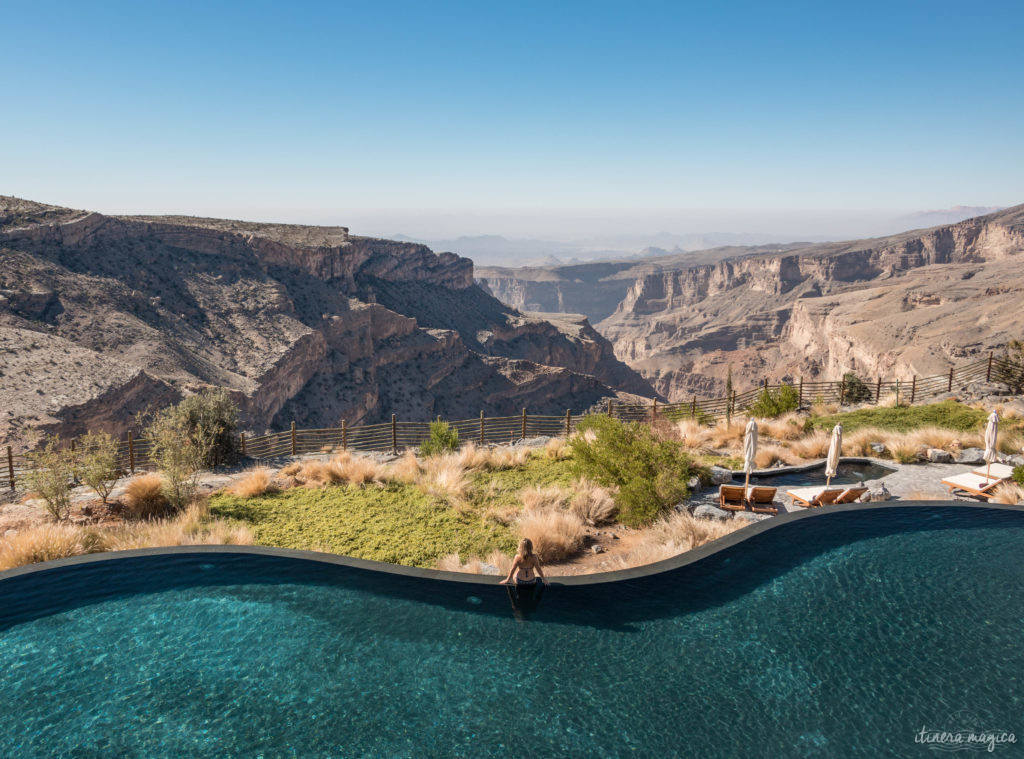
(991, 439)
(835, 450)
(749, 449)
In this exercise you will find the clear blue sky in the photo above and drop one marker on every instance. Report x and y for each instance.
(328, 112)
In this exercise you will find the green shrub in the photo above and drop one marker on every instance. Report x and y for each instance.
(443, 438)
(771, 403)
(949, 415)
(180, 451)
(855, 390)
(212, 416)
(96, 462)
(51, 476)
(1018, 475)
(651, 475)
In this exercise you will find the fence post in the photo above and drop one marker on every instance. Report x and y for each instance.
(609, 407)
(949, 386)
(732, 403)
(394, 434)
(568, 421)
(481, 428)
(842, 390)
(897, 392)
(654, 409)
(878, 390)
(693, 407)
(10, 466)
(800, 401)
(241, 442)
(294, 447)
(913, 389)
(344, 435)
(988, 372)
(131, 453)
(523, 433)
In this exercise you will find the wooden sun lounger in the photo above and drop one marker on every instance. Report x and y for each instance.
(1002, 471)
(970, 482)
(819, 496)
(850, 495)
(760, 500)
(732, 497)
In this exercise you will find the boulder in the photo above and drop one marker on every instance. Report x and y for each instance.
(720, 475)
(939, 456)
(693, 484)
(711, 512)
(878, 448)
(1015, 460)
(597, 548)
(876, 492)
(971, 456)
(750, 516)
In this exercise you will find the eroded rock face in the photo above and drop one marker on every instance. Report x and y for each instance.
(910, 304)
(103, 316)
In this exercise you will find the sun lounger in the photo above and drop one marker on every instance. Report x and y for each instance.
(970, 482)
(850, 495)
(1002, 471)
(732, 497)
(819, 496)
(761, 500)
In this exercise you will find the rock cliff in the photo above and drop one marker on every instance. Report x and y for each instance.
(103, 316)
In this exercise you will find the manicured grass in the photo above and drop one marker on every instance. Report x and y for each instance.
(947, 414)
(397, 523)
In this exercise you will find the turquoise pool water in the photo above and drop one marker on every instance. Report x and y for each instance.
(839, 635)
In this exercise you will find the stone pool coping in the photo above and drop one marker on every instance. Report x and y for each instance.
(675, 562)
(797, 468)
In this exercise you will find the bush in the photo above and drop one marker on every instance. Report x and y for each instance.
(855, 390)
(771, 403)
(144, 497)
(651, 475)
(96, 463)
(180, 452)
(443, 438)
(211, 417)
(51, 475)
(1018, 475)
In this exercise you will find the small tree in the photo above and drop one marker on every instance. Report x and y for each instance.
(180, 451)
(771, 403)
(211, 416)
(650, 475)
(96, 463)
(50, 476)
(855, 390)
(443, 438)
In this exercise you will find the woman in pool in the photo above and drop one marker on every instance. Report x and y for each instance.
(526, 566)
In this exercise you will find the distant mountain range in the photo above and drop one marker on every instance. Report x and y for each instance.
(496, 250)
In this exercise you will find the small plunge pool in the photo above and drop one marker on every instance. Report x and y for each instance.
(848, 473)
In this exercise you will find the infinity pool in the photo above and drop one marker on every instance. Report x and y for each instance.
(841, 634)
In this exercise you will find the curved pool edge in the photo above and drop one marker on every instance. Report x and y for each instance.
(818, 464)
(666, 565)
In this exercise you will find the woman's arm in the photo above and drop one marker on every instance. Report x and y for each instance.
(511, 571)
(540, 572)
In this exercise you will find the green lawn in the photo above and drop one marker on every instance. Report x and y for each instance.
(398, 523)
(947, 414)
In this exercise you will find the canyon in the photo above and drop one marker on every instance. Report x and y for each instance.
(106, 317)
(915, 303)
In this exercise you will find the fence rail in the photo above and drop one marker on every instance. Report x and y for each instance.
(134, 453)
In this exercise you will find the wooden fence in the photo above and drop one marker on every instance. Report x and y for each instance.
(396, 435)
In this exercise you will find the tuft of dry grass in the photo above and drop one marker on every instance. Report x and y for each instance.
(904, 448)
(813, 446)
(592, 503)
(1010, 444)
(444, 477)
(858, 442)
(556, 534)
(291, 469)
(672, 536)
(824, 409)
(537, 498)
(1007, 492)
(144, 497)
(43, 543)
(693, 436)
(256, 482)
(407, 469)
(509, 457)
(558, 449)
(473, 458)
(768, 455)
(937, 437)
(786, 427)
(453, 563)
(727, 435)
(357, 470)
(500, 560)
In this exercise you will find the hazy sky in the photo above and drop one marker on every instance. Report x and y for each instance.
(435, 118)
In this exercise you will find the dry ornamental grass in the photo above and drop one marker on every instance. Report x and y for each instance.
(144, 497)
(556, 534)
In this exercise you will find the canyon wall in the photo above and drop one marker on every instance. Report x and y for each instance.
(300, 323)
